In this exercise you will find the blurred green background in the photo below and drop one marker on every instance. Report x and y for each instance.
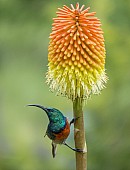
(24, 30)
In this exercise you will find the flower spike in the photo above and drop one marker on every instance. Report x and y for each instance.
(76, 53)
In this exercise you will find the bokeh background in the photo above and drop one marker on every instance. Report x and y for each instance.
(24, 30)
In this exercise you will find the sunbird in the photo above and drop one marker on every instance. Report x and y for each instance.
(58, 128)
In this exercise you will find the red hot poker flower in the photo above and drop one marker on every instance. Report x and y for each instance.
(76, 53)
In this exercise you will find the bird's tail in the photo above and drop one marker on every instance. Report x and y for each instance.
(54, 149)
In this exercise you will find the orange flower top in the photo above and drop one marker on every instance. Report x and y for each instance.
(76, 53)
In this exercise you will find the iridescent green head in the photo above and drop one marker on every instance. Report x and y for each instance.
(53, 114)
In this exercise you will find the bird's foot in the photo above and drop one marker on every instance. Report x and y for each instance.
(73, 120)
(74, 149)
(78, 150)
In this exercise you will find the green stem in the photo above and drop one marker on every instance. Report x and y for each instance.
(79, 135)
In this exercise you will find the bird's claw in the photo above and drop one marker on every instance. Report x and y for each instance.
(79, 150)
(74, 149)
(73, 120)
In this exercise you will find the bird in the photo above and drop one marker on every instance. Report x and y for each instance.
(58, 128)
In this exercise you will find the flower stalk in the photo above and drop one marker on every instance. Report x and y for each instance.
(79, 135)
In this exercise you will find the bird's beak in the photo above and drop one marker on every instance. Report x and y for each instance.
(37, 105)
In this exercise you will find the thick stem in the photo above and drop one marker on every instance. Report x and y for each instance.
(79, 135)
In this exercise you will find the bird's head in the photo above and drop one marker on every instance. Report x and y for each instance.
(53, 114)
